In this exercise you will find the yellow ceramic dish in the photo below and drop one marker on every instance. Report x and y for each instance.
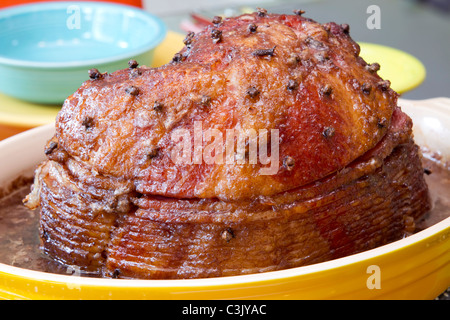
(417, 267)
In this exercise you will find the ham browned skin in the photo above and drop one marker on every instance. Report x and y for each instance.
(113, 131)
(349, 176)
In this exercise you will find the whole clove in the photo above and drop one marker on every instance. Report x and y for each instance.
(158, 106)
(133, 64)
(382, 123)
(132, 90)
(88, 123)
(94, 74)
(205, 100)
(116, 274)
(345, 28)
(326, 90)
(366, 88)
(216, 35)
(252, 92)
(288, 163)
(252, 28)
(135, 72)
(217, 20)
(384, 85)
(292, 85)
(178, 57)
(374, 67)
(189, 37)
(299, 12)
(326, 27)
(293, 59)
(227, 234)
(51, 147)
(153, 153)
(328, 132)
(264, 52)
(261, 12)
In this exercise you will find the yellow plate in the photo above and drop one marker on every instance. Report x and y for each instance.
(417, 267)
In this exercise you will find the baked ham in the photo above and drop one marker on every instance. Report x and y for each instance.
(349, 176)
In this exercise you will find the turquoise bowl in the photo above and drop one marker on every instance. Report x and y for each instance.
(46, 49)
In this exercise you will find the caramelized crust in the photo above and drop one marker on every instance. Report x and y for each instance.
(348, 177)
(292, 74)
(118, 233)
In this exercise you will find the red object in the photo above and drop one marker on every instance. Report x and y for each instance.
(7, 3)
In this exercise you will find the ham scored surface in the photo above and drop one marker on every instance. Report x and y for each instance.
(349, 176)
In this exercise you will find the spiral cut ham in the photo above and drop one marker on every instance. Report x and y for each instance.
(349, 176)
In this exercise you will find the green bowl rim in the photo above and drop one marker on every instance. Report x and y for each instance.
(148, 46)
